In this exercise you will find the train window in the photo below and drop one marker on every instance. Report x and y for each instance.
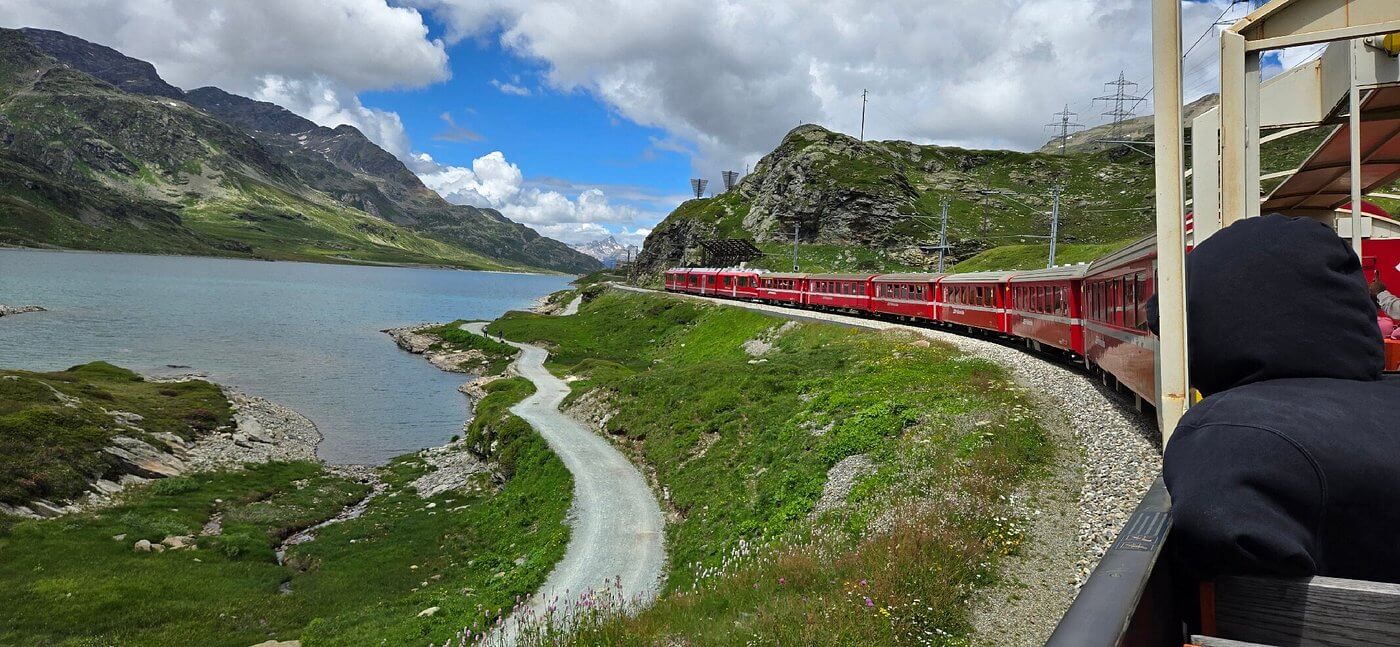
(1141, 291)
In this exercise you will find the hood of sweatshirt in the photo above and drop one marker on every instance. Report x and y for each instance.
(1276, 297)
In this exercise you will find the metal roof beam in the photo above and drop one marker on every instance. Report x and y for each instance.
(1289, 23)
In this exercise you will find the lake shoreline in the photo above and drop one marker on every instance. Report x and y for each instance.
(335, 261)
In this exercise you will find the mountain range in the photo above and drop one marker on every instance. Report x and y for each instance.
(607, 250)
(97, 151)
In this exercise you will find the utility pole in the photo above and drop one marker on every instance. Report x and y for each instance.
(863, 93)
(1064, 125)
(943, 234)
(796, 228)
(1054, 222)
(1118, 99)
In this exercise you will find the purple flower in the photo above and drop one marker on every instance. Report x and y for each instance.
(782, 581)
(864, 583)
(869, 603)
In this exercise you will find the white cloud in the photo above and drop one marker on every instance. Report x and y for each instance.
(511, 88)
(733, 76)
(496, 183)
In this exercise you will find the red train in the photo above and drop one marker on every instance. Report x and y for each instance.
(1095, 313)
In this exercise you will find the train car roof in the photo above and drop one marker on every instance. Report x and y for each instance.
(1143, 247)
(785, 275)
(841, 277)
(979, 277)
(1052, 273)
(908, 277)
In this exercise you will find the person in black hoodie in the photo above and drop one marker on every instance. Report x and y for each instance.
(1291, 464)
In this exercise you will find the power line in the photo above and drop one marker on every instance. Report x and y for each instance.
(1118, 99)
(1064, 125)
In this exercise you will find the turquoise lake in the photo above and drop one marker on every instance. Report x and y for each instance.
(301, 334)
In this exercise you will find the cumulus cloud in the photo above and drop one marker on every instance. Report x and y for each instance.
(494, 182)
(732, 77)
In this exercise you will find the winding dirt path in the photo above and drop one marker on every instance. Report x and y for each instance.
(617, 524)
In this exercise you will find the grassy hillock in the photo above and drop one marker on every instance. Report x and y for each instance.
(740, 418)
(76, 580)
(53, 426)
(495, 356)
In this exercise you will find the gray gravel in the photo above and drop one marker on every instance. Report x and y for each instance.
(1112, 459)
(616, 522)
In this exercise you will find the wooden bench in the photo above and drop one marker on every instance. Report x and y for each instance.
(1317, 611)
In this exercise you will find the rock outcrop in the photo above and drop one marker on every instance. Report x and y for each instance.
(874, 205)
(264, 431)
(414, 340)
(18, 310)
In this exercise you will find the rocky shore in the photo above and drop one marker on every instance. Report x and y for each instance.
(6, 311)
(263, 431)
(414, 340)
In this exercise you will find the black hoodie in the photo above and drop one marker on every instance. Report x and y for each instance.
(1291, 465)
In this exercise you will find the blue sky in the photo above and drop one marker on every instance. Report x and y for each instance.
(551, 135)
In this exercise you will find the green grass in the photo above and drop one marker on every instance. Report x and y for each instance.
(53, 425)
(495, 355)
(1035, 257)
(361, 581)
(742, 446)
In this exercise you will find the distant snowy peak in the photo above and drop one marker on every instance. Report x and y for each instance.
(607, 250)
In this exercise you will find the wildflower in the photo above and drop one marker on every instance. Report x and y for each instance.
(869, 603)
(864, 583)
(782, 581)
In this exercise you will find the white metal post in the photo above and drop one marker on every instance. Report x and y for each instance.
(1234, 142)
(1357, 213)
(1254, 188)
(1173, 384)
(1205, 175)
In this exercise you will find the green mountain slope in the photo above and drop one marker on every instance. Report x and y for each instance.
(871, 205)
(84, 164)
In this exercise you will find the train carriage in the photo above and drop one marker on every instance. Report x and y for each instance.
(738, 284)
(839, 291)
(782, 287)
(704, 281)
(1045, 308)
(676, 278)
(976, 300)
(905, 296)
(1116, 337)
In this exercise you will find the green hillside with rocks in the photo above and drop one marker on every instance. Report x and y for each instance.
(874, 206)
(871, 205)
(97, 152)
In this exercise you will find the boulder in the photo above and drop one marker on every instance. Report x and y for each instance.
(176, 542)
(141, 459)
(142, 546)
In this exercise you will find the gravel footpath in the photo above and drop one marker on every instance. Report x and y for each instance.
(617, 527)
(1108, 458)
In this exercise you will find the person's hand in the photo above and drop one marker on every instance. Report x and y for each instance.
(1377, 288)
